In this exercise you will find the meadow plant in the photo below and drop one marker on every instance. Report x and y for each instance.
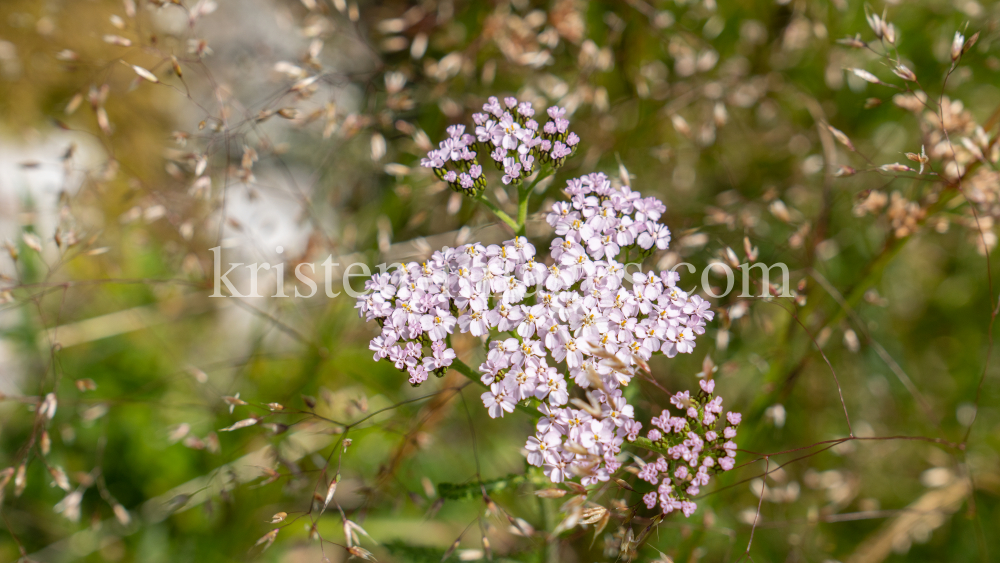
(547, 321)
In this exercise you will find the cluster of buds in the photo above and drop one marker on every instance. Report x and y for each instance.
(883, 29)
(466, 174)
(699, 444)
(509, 133)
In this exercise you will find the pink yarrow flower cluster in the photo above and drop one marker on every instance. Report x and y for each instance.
(512, 138)
(576, 320)
(583, 443)
(572, 319)
(699, 444)
(608, 220)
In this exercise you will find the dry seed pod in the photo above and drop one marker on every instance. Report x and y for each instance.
(854, 42)
(751, 251)
(117, 40)
(20, 480)
(121, 514)
(970, 43)
(267, 539)
(145, 74)
(361, 552)
(895, 167)
(841, 137)
(956, 46)
(241, 424)
(74, 103)
(85, 384)
(59, 477)
(905, 73)
(866, 76)
(233, 402)
(331, 490)
(32, 242)
(592, 515)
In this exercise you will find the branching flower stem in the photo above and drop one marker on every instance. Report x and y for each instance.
(523, 197)
(500, 213)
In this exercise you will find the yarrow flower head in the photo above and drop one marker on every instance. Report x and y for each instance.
(575, 321)
(565, 333)
(510, 135)
(699, 445)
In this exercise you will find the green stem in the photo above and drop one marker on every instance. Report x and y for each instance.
(464, 369)
(548, 522)
(474, 489)
(500, 213)
(524, 195)
(647, 444)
